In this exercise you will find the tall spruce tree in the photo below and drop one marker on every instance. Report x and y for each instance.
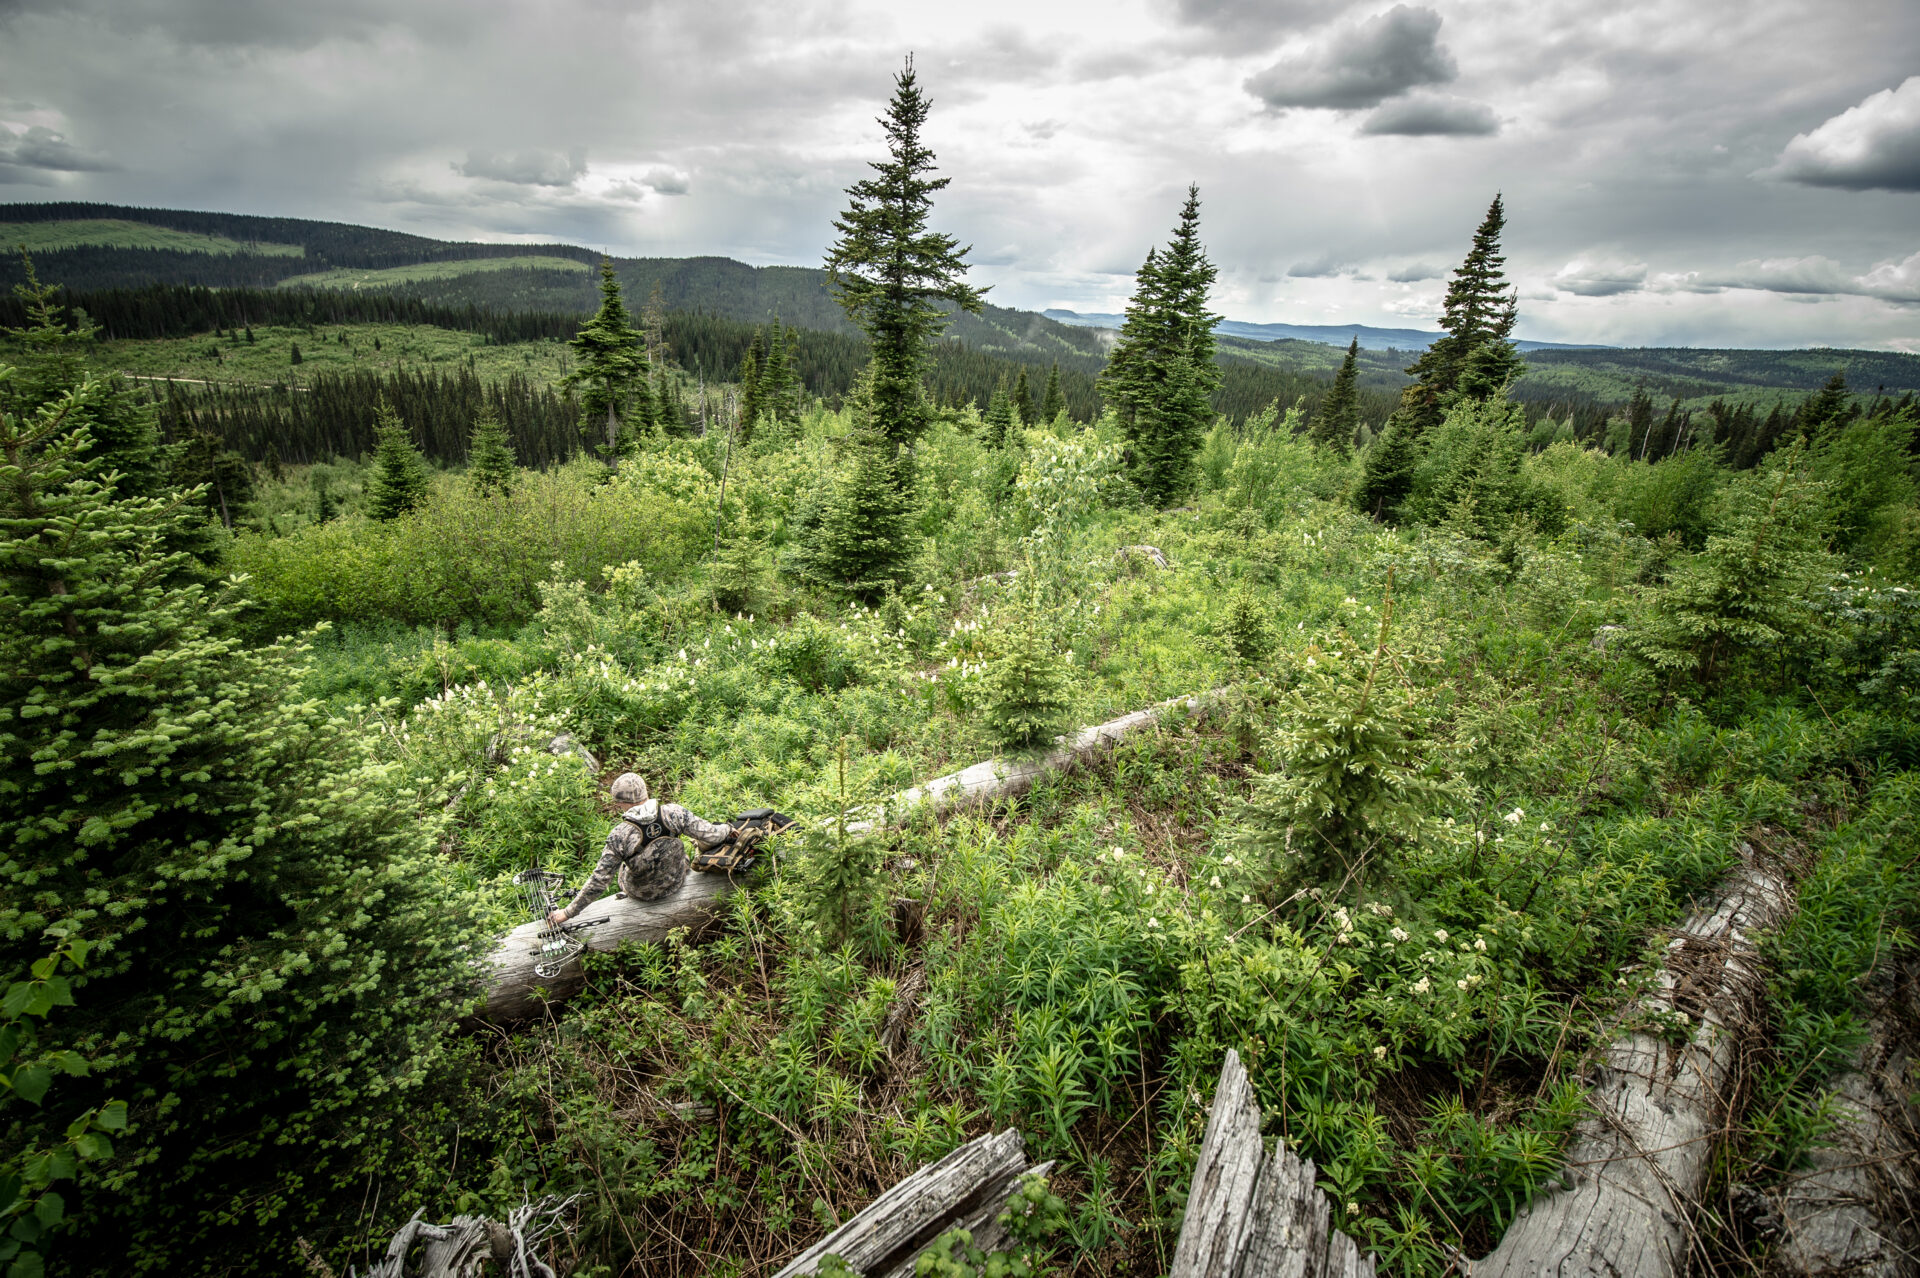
(399, 481)
(274, 966)
(1827, 409)
(1479, 311)
(1334, 424)
(611, 375)
(753, 386)
(890, 273)
(1161, 375)
(1023, 399)
(1053, 403)
(491, 465)
(999, 419)
(779, 381)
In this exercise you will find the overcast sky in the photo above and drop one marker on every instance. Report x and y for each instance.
(1677, 172)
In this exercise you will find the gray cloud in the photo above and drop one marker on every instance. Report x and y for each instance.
(1430, 115)
(1587, 278)
(1873, 145)
(667, 182)
(1360, 66)
(1263, 22)
(1323, 267)
(41, 148)
(527, 168)
(1414, 272)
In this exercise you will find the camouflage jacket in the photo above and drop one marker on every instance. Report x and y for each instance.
(627, 842)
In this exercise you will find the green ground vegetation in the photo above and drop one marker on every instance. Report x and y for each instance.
(387, 277)
(342, 348)
(38, 237)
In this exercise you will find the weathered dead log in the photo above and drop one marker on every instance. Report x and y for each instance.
(971, 1184)
(1251, 1214)
(1637, 1166)
(1856, 1209)
(514, 991)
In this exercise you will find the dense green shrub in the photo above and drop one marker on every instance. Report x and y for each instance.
(465, 557)
(273, 962)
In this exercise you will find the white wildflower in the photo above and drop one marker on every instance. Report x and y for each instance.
(1380, 1053)
(1513, 817)
(1480, 943)
(1401, 935)
(1214, 881)
(1441, 936)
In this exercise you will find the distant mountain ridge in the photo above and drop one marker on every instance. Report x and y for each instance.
(1371, 339)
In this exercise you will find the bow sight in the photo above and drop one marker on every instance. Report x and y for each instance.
(558, 945)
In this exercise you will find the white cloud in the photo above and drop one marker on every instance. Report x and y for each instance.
(1873, 145)
(35, 146)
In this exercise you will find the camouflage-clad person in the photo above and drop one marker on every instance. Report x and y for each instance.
(646, 853)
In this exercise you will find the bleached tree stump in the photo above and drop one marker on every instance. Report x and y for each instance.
(472, 1245)
(514, 991)
(1637, 1166)
(1251, 1214)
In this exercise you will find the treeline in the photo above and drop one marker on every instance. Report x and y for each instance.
(334, 415)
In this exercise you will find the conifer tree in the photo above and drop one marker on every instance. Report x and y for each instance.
(779, 383)
(1639, 422)
(1161, 375)
(52, 358)
(399, 482)
(1479, 312)
(752, 388)
(1023, 408)
(999, 418)
(891, 274)
(864, 538)
(611, 374)
(1333, 425)
(1750, 591)
(491, 465)
(203, 462)
(273, 966)
(1386, 475)
(1029, 687)
(1053, 403)
(1826, 409)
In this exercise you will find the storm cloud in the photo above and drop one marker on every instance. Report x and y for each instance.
(1361, 65)
(527, 168)
(1428, 115)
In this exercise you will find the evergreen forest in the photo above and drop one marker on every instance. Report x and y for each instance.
(332, 610)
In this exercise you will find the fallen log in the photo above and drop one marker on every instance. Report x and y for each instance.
(1254, 1214)
(1636, 1167)
(968, 1189)
(513, 990)
(1856, 1209)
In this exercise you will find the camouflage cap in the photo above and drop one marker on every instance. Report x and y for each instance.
(630, 788)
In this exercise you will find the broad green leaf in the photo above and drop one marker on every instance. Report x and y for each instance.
(27, 1265)
(113, 1116)
(50, 1210)
(30, 1082)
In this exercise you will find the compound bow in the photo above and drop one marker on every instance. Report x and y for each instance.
(558, 945)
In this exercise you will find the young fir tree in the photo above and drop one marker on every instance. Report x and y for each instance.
(50, 351)
(1351, 782)
(753, 404)
(274, 964)
(1161, 375)
(611, 375)
(1029, 687)
(864, 537)
(1826, 410)
(399, 481)
(1052, 402)
(1339, 414)
(779, 382)
(999, 420)
(893, 275)
(1386, 473)
(491, 465)
(1022, 398)
(1750, 592)
(1639, 422)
